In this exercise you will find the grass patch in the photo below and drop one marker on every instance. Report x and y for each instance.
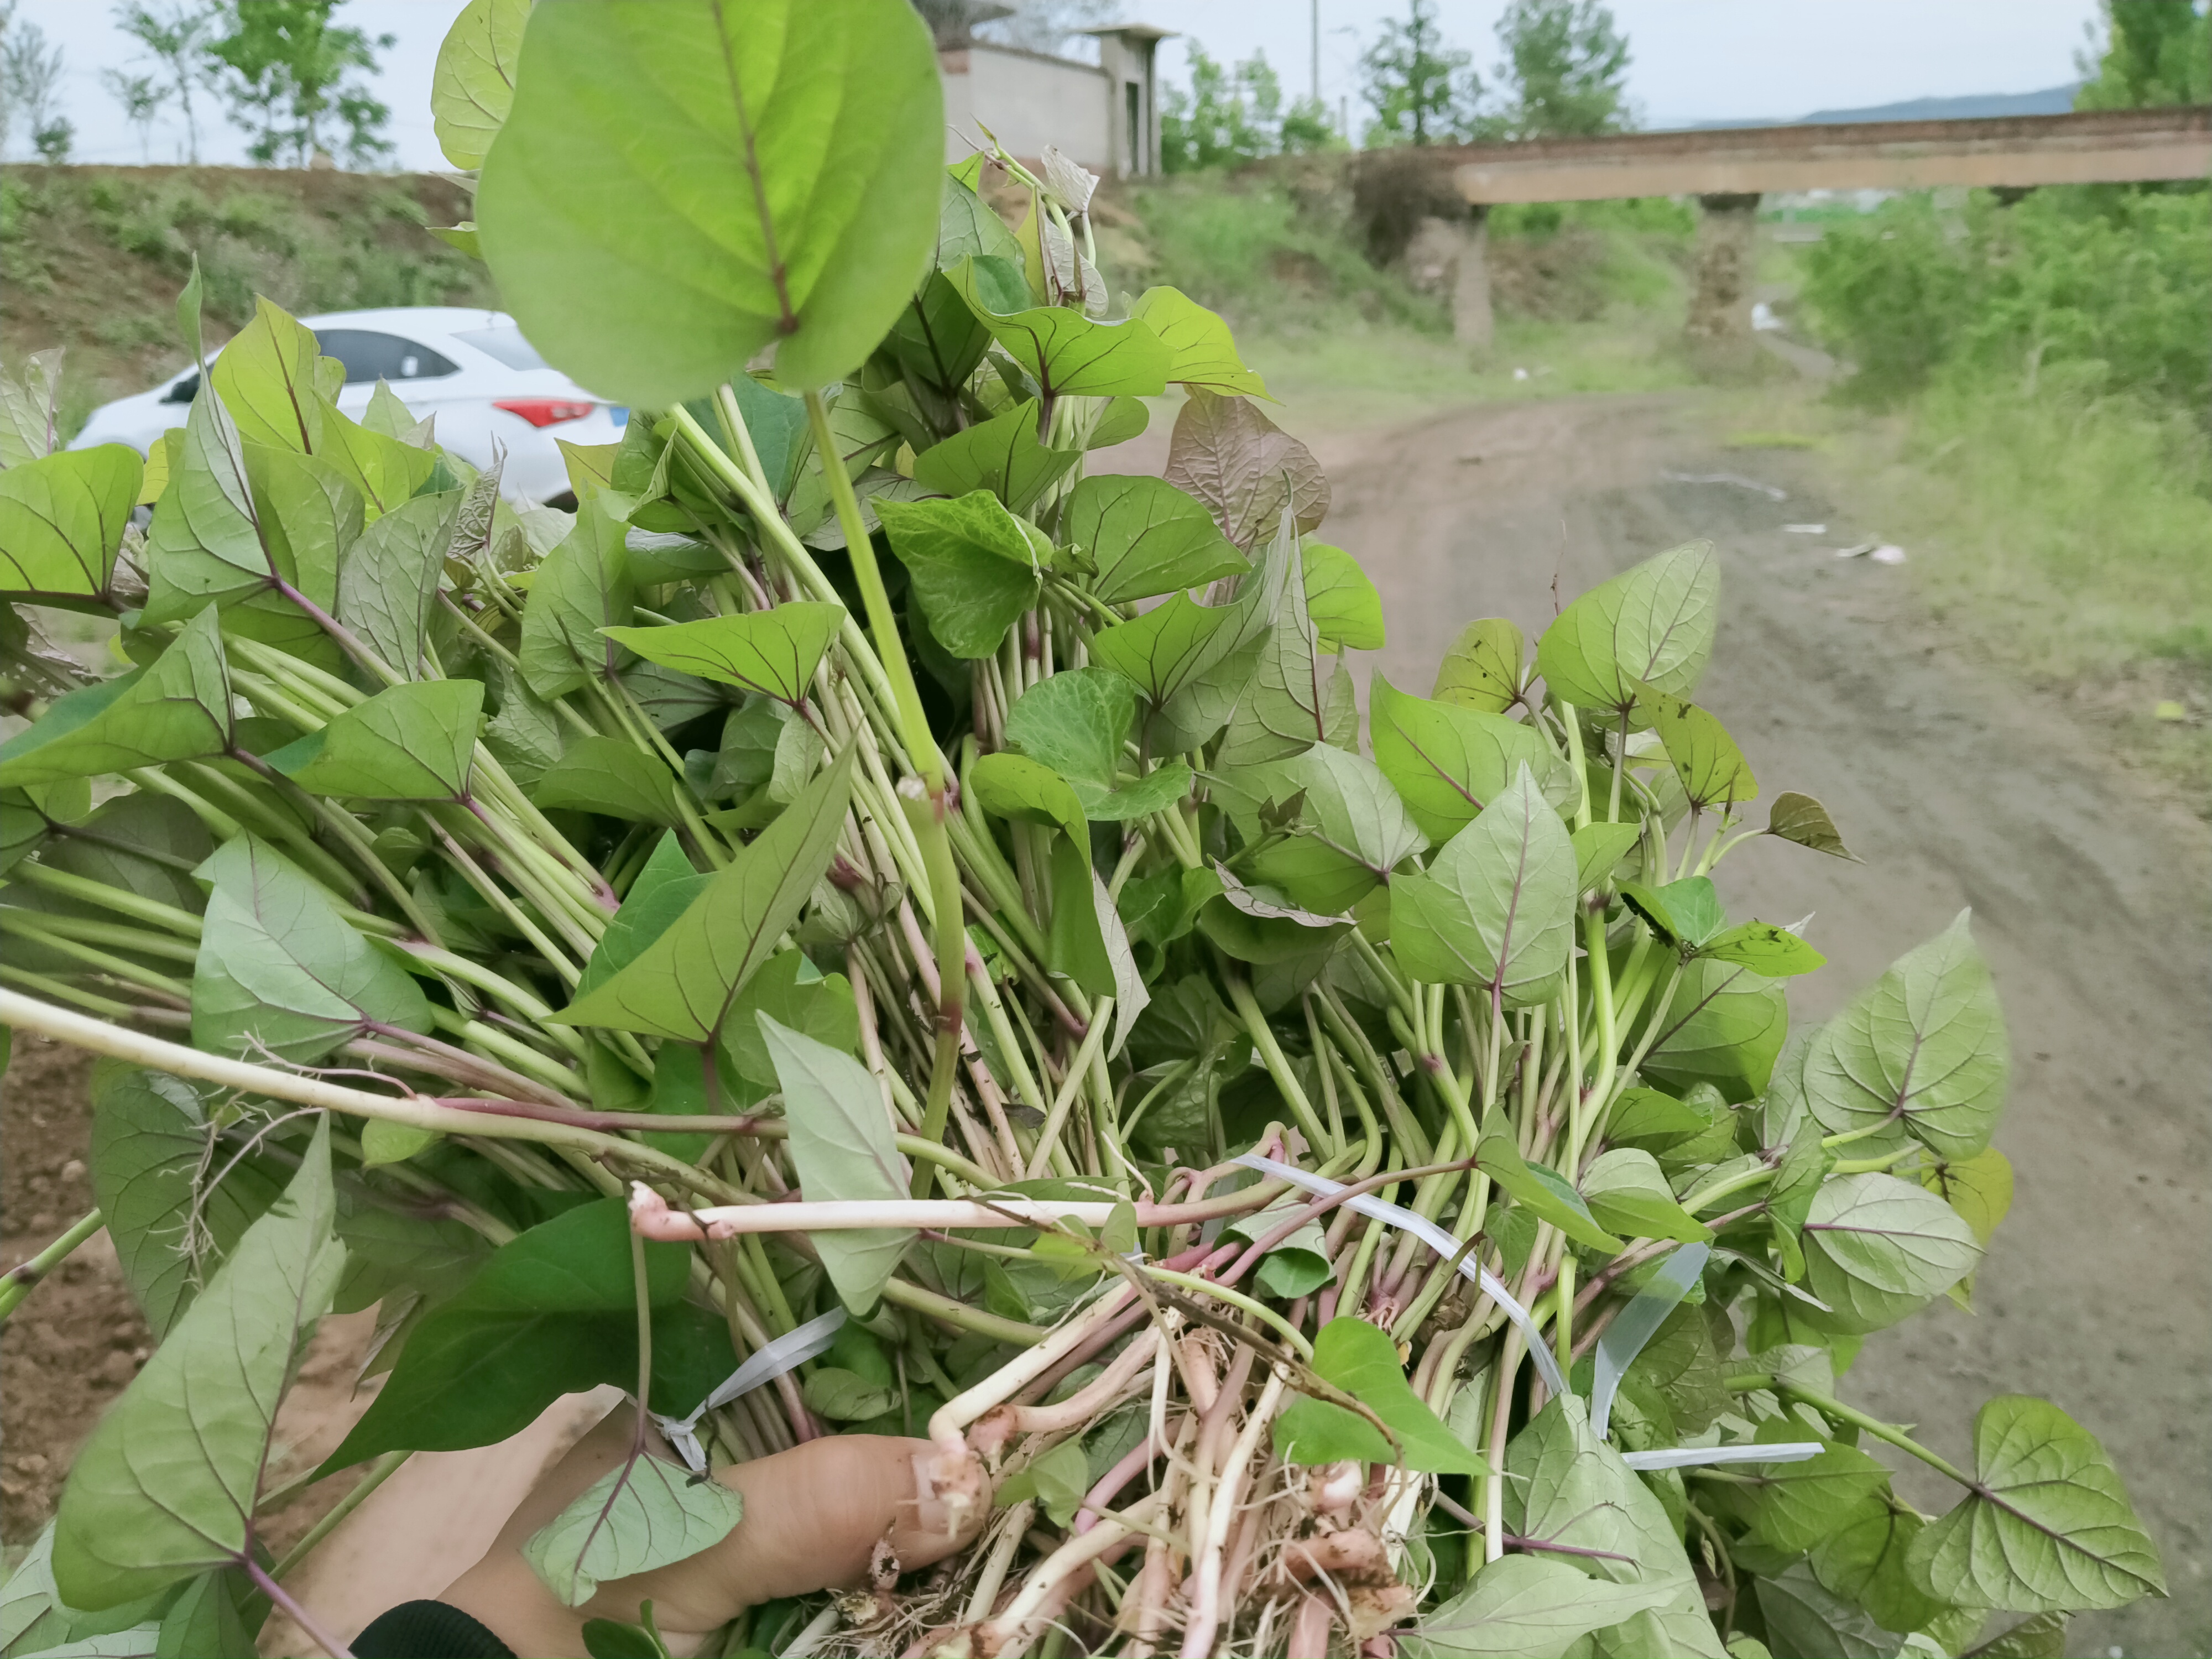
(2071, 535)
(91, 258)
(1588, 298)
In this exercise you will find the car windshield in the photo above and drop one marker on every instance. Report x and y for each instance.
(506, 344)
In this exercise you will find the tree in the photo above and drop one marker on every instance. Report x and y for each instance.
(1421, 89)
(1566, 62)
(142, 101)
(285, 72)
(1235, 113)
(2154, 52)
(177, 40)
(30, 74)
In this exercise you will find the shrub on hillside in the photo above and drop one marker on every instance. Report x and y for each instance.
(2114, 287)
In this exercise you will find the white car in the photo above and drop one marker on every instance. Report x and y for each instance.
(486, 384)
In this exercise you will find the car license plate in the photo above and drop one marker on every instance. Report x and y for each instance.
(618, 414)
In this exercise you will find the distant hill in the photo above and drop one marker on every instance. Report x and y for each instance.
(2050, 101)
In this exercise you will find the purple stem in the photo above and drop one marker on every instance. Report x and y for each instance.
(299, 1615)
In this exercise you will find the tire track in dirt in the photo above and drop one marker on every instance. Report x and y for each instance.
(1957, 789)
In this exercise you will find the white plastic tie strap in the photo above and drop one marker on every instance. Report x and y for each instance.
(1436, 1239)
(1638, 1323)
(1684, 1457)
(786, 1352)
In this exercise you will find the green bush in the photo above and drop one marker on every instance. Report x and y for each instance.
(1272, 258)
(2115, 285)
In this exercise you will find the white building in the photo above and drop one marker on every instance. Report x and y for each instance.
(1105, 115)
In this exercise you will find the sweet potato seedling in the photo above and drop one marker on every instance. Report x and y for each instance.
(871, 927)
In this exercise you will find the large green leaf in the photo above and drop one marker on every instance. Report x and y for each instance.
(938, 340)
(246, 527)
(1793, 1506)
(61, 521)
(842, 1146)
(644, 1514)
(1245, 468)
(801, 214)
(1804, 1621)
(1861, 1556)
(34, 1620)
(1482, 670)
(552, 1311)
(2042, 1637)
(1877, 1249)
(166, 1485)
(1169, 648)
(682, 984)
(1076, 722)
(662, 891)
(141, 843)
(1801, 819)
(1362, 1361)
(1712, 769)
(797, 995)
(1924, 1045)
(1774, 952)
(582, 589)
(1346, 608)
(1016, 787)
(1724, 1025)
(1281, 709)
(388, 578)
(268, 380)
(976, 566)
(1068, 353)
(2047, 1527)
(1497, 906)
(151, 1138)
(1651, 625)
(1528, 1606)
(773, 652)
(1352, 830)
(1681, 1628)
(1146, 537)
(1566, 1486)
(176, 709)
(1626, 1192)
(472, 87)
(280, 969)
(613, 776)
(1201, 351)
(1002, 455)
(414, 741)
(1538, 1188)
(1450, 762)
(30, 405)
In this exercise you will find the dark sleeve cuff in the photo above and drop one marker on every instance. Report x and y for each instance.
(427, 1630)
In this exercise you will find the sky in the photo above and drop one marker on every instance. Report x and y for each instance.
(1693, 60)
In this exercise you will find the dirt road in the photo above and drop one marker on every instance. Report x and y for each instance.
(2087, 894)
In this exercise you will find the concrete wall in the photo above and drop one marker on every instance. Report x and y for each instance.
(1028, 100)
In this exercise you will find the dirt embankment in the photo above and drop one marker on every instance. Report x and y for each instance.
(92, 258)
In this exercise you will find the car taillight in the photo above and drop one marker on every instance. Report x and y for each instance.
(545, 412)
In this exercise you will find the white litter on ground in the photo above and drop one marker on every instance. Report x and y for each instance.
(1887, 553)
(1804, 530)
(1858, 551)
